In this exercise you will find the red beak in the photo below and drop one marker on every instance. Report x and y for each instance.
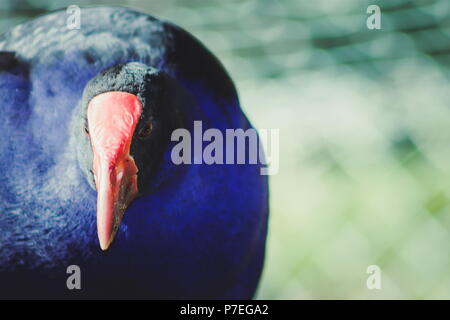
(112, 119)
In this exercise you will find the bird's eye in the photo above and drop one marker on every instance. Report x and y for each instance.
(146, 130)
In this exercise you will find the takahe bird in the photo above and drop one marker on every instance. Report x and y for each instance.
(86, 117)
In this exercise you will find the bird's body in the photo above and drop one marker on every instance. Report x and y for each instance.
(199, 233)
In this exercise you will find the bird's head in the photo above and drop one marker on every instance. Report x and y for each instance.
(125, 125)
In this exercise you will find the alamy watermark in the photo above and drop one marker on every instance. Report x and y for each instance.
(235, 146)
(73, 282)
(374, 280)
(373, 22)
(73, 17)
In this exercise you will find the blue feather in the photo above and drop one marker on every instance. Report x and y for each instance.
(200, 233)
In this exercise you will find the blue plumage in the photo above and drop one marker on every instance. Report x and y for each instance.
(200, 233)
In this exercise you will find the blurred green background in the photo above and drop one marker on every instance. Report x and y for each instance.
(364, 119)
